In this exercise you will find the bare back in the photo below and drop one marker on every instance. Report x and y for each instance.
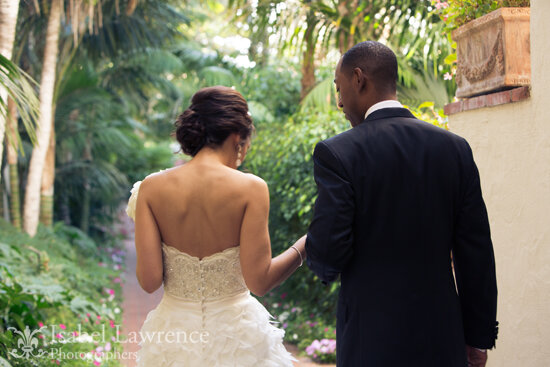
(199, 207)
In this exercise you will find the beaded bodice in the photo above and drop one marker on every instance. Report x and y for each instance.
(211, 278)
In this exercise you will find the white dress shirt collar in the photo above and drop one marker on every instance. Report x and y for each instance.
(390, 103)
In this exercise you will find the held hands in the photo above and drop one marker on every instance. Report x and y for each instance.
(476, 357)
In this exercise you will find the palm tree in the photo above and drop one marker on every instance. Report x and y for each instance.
(11, 153)
(312, 28)
(20, 89)
(40, 182)
(21, 97)
(8, 22)
(47, 86)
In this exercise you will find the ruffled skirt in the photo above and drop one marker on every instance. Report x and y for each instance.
(235, 331)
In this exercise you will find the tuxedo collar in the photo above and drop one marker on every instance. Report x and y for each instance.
(385, 113)
(388, 103)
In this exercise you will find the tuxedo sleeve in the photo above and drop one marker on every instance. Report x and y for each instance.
(330, 236)
(474, 263)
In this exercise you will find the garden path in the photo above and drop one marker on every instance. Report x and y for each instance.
(137, 303)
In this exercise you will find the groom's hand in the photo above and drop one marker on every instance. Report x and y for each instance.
(476, 357)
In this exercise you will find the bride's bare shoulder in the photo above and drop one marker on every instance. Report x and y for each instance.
(163, 172)
(255, 187)
(254, 180)
(156, 179)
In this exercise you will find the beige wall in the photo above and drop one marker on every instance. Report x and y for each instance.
(511, 145)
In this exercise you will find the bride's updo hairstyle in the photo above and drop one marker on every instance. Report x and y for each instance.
(214, 114)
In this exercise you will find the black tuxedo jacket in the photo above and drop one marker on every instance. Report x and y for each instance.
(397, 196)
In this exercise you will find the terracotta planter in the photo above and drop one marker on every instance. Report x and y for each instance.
(493, 52)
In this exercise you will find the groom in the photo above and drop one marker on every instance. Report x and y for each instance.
(397, 196)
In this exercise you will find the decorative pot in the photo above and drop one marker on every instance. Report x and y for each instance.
(493, 52)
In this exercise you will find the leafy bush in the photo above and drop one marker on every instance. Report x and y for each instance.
(66, 284)
(276, 87)
(281, 155)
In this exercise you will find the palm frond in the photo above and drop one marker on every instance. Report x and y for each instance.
(320, 98)
(217, 75)
(21, 88)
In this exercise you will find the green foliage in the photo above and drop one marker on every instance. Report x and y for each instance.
(20, 87)
(427, 111)
(147, 158)
(60, 279)
(458, 12)
(275, 86)
(281, 155)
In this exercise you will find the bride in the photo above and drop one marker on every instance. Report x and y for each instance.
(201, 230)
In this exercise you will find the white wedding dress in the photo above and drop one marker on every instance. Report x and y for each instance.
(207, 317)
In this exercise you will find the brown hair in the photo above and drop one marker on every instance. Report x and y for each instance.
(214, 114)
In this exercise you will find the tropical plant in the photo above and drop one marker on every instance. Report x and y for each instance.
(60, 279)
(135, 43)
(19, 87)
(458, 12)
(312, 29)
(21, 100)
(8, 22)
(47, 84)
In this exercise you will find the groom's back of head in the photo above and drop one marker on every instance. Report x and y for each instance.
(376, 60)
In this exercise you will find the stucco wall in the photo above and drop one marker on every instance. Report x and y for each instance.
(511, 145)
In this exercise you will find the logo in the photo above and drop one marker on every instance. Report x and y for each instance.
(27, 343)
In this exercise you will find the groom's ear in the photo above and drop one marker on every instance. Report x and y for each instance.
(359, 79)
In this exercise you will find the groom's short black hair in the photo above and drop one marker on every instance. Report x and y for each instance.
(376, 60)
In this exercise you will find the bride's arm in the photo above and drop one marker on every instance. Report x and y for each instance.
(148, 242)
(261, 272)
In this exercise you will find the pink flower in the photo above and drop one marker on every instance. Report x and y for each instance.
(117, 280)
(88, 314)
(111, 291)
(283, 296)
(441, 5)
(96, 363)
(448, 76)
(62, 326)
(40, 323)
(99, 317)
(59, 336)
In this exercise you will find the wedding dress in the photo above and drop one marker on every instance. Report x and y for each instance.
(207, 317)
